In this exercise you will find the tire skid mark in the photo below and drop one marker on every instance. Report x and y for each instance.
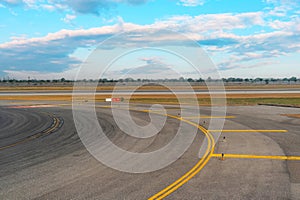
(57, 123)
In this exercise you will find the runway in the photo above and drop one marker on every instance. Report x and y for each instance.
(56, 165)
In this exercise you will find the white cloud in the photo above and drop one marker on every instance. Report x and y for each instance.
(69, 18)
(212, 22)
(279, 11)
(191, 3)
(48, 7)
(153, 68)
(23, 75)
(63, 34)
(277, 24)
(215, 31)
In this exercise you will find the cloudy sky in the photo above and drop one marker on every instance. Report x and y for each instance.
(248, 38)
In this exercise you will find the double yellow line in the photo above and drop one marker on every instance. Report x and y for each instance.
(196, 169)
(245, 156)
(249, 131)
(56, 122)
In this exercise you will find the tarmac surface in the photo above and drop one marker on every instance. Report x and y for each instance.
(42, 157)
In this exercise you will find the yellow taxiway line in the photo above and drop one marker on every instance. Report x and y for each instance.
(257, 156)
(192, 172)
(209, 153)
(195, 170)
(56, 123)
(249, 131)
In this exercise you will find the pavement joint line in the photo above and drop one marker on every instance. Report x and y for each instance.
(161, 110)
(246, 156)
(249, 131)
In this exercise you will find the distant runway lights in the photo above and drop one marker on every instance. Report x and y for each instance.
(121, 99)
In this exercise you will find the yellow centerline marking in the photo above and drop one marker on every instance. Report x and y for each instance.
(257, 156)
(37, 135)
(249, 131)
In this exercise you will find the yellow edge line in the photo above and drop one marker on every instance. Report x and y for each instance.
(249, 131)
(257, 156)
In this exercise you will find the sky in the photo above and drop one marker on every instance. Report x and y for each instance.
(51, 39)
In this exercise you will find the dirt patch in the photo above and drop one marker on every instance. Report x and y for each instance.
(291, 115)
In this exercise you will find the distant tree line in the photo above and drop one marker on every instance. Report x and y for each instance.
(181, 79)
(262, 80)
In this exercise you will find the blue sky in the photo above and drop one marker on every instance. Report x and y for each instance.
(246, 38)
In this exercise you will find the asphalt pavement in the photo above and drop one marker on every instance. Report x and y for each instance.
(56, 165)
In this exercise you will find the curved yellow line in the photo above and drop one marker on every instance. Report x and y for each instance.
(196, 169)
(192, 172)
(37, 135)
